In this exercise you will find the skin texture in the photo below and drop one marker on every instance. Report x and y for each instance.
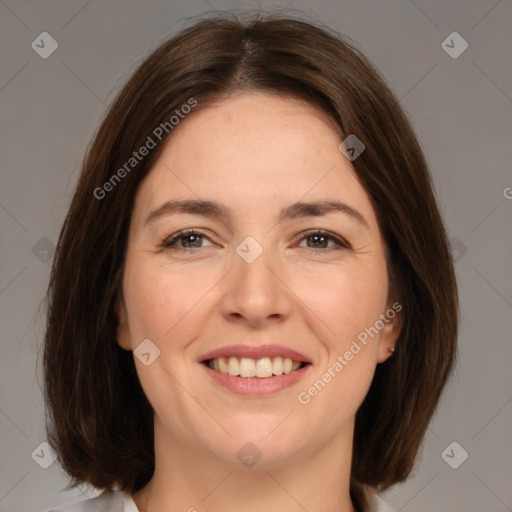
(255, 154)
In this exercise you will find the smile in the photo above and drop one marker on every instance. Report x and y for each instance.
(245, 367)
(255, 370)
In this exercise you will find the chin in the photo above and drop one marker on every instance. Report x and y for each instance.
(258, 445)
(260, 455)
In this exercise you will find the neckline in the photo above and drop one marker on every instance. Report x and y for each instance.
(375, 503)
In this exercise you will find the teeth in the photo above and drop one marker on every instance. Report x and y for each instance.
(247, 367)
(233, 366)
(223, 365)
(277, 367)
(262, 368)
(287, 365)
(295, 366)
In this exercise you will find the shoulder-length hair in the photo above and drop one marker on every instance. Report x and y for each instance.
(99, 421)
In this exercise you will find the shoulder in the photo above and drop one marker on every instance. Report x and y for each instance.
(378, 505)
(106, 502)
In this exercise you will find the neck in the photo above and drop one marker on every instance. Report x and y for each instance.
(187, 479)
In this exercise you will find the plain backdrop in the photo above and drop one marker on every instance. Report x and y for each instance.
(461, 107)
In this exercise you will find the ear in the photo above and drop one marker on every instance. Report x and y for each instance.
(393, 322)
(123, 332)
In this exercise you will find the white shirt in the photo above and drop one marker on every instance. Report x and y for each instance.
(122, 502)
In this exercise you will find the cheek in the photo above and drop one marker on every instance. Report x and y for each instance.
(159, 298)
(164, 305)
(347, 299)
(349, 303)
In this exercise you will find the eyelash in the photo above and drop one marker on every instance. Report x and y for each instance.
(170, 243)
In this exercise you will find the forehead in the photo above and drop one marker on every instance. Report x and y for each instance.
(253, 149)
(257, 128)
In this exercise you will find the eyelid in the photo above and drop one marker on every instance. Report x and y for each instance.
(338, 240)
(170, 240)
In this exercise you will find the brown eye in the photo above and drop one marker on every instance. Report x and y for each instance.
(318, 241)
(186, 240)
(323, 240)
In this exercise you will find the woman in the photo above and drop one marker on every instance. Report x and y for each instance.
(252, 304)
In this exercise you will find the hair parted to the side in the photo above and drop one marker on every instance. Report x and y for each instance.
(99, 421)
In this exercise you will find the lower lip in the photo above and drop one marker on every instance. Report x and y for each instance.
(254, 386)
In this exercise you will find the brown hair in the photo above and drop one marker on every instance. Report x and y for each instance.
(99, 421)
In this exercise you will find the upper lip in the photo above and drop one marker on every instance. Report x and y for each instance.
(257, 352)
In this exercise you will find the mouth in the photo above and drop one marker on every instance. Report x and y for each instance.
(261, 368)
(255, 371)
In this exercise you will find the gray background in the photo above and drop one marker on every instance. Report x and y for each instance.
(462, 111)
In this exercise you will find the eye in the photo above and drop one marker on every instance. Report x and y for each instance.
(315, 239)
(321, 239)
(186, 239)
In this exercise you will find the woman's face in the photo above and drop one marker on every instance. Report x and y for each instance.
(285, 262)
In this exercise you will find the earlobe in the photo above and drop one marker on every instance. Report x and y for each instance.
(390, 333)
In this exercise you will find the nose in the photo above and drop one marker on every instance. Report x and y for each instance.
(256, 293)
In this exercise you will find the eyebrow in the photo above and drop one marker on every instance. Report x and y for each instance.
(217, 211)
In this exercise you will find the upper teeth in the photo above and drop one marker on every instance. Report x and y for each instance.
(245, 367)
